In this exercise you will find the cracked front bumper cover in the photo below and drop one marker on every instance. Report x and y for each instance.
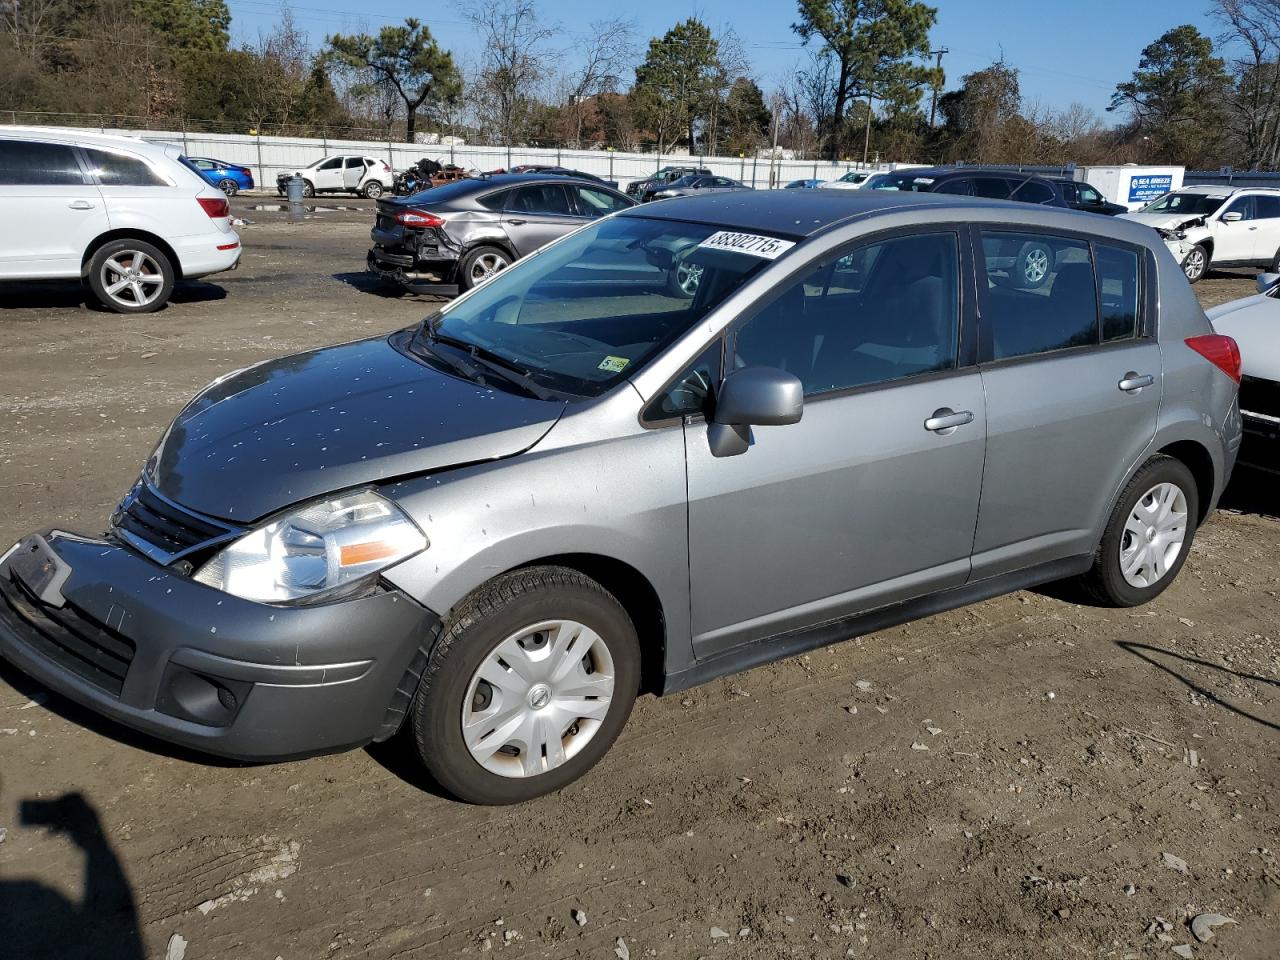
(144, 646)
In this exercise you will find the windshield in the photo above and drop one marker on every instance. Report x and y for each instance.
(1192, 204)
(595, 307)
(853, 177)
(899, 181)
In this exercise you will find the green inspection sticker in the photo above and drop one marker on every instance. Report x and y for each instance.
(614, 364)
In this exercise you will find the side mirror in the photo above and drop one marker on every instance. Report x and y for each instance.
(753, 396)
(1232, 216)
(1266, 281)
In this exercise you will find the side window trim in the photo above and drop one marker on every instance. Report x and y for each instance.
(1142, 299)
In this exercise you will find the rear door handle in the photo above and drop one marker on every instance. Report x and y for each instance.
(945, 420)
(80, 205)
(517, 223)
(1132, 382)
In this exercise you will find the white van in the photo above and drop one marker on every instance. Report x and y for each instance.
(127, 217)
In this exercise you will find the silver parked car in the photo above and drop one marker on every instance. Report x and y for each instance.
(694, 185)
(458, 235)
(582, 480)
(1254, 324)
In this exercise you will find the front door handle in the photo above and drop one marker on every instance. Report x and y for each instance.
(80, 205)
(1132, 382)
(945, 420)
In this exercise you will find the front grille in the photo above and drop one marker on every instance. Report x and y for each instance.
(1260, 396)
(68, 637)
(163, 530)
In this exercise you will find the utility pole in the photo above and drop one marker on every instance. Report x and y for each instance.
(933, 106)
(866, 137)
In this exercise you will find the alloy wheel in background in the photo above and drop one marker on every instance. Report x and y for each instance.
(1035, 266)
(373, 190)
(132, 278)
(486, 267)
(1195, 263)
(228, 186)
(1153, 535)
(538, 698)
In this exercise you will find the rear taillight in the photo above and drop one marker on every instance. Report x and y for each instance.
(246, 172)
(215, 206)
(1219, 350)
(418, 218)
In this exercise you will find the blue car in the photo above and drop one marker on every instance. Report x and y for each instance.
(230, 178)
(804, 184)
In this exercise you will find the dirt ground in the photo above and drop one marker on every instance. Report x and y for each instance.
(1022, 778)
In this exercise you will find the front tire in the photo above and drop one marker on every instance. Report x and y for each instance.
(1147, 537)
(1033, 266)
(1196, 263)
(131, 276)
(531, 681)
(308, 188)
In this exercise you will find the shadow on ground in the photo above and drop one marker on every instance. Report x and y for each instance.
(59, 295)
(1178, 665)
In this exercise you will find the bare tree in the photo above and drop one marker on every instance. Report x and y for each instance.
(609, 52)
(1254, 27)
(514, 44)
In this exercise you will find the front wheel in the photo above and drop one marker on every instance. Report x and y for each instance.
(1033, 266)
(1196, 263)
(1147, 537)
(130, 276)
(531, 681)
(308, 188)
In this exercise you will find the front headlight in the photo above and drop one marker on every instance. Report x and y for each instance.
(320, 548)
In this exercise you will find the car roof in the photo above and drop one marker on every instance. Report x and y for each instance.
(805, 213)
(512, 179)
(1221, 190)
(86, 138)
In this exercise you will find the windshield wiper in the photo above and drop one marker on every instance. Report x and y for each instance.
(491, 361)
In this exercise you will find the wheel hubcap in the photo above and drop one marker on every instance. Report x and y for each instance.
(1036, 266)
(538, 698)
(1153, 535)
(486, 266)
(131, 278)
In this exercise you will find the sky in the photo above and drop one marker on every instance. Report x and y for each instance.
(1066, 52)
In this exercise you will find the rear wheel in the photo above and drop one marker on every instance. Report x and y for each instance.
(530, 683)
(373, 190)
(228, 186)
(1196, 263)
(482, 264)
(1148, 535)
(131, 276)
(1033, 266)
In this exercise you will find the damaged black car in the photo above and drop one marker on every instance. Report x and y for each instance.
(458, 235)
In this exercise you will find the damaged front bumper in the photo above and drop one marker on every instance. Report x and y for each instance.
(156, 651)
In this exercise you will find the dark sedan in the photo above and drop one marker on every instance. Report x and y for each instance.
(458, 235)
(1085, 196)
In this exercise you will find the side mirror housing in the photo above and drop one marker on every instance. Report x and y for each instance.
(1232, 216)
(752, 396)
(1266, 281)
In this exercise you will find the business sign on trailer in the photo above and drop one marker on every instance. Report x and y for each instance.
(1144, 189)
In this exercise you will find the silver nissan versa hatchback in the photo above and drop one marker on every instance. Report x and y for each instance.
(582, 480)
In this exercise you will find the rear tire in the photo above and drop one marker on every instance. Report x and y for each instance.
(1136, 559)
(1196, 264)
(229, 187)
(131, 276)
(1033, 265)
(482, 264)
(508, 629)
(373, 190)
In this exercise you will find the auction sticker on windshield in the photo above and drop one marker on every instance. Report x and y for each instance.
(770, 248)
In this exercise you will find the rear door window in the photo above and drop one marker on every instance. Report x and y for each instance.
(24, 163)
(1117, 291)
(121, 170)
(542, 198)
(1040, 295)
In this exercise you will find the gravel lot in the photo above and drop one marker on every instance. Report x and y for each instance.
(1022, 778)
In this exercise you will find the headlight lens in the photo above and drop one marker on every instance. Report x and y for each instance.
(317, 549)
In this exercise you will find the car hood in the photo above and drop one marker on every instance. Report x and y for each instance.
(302, 426)
(1254, 324)
(1165, 221)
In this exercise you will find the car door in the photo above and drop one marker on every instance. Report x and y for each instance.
(537, 214)
(1072, 376)
(1266, 248)
(872, 497)
(328, 175)
(352, 172)
(1235, 239)
(44, 188)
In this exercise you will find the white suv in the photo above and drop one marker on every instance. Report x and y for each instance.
(129, 218)
(368, 176)
(1217, 226)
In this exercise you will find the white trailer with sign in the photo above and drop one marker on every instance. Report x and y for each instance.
(1132, 185)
